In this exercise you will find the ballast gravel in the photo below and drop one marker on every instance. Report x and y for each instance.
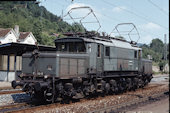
(8, 99)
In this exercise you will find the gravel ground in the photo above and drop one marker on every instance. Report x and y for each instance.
(85, 105)
(161, 106)
(8, 99)
(160, 79)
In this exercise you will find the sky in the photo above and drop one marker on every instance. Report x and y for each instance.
(151, 17)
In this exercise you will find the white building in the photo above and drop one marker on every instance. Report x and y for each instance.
(7, 36)
(27, 38)
(8, 63)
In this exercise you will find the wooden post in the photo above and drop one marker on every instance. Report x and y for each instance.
(8, 67)
(15, 60)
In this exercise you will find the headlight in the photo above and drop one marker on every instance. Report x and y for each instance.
(46, 76)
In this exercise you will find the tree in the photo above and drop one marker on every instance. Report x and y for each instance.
(157, 45)
(37, 31)
(48, 40)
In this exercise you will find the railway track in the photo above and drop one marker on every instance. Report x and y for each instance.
(12, 107)
(19, 106)
(109, 103)
(10, 91)
(8, 88)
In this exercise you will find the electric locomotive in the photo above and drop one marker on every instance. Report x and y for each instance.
(84, 64)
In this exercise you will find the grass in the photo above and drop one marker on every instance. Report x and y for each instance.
(155, 63)
(160, 72)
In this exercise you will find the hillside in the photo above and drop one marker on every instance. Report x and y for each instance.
(34, 18)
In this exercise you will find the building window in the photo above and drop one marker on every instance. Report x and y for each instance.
(107, 51)
(3, 62)
(10, 40)
(98, 51)
(19, 63)
(11, 63)
(135, 54)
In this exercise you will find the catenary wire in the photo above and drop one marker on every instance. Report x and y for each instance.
(158, 7)
(129, 11)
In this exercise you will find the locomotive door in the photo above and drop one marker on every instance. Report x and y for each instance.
(99, 59)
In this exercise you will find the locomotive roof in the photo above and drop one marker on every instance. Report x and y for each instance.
(115, 43)
(105, 41)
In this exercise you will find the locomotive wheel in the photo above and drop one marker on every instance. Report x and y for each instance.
(48, 95)
(114, 86)
(146, 82)
(89, 88)
(135, 83)
(107, 88)
(129, 84)
(92, 89)
(142, 83)
(69, 90)
(120, 88)
(123, 85)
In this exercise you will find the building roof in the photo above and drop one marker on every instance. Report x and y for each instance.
(55, 34)
(4, 32)
(19, 49)
(23, 35)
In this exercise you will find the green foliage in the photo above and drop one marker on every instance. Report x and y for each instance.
(48, 40)
(77, 27)
(37, 30)
(156, 50)
(162, 63)
(155, 56)
(157, 45)
(36, 19)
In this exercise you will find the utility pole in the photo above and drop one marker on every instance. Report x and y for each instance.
(165, 48)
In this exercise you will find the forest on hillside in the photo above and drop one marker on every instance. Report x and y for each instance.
(34, 18)
(37, 19)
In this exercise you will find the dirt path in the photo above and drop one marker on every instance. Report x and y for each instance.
(161, 106)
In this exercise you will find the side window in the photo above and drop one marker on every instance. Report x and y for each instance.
(80, 47)
(61, 47)
(135, 54)
(98, 51)
(71, 47)
(107, 51)
(139, 54)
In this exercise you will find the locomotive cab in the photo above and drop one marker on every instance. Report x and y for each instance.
(69, 60)
(71, 45)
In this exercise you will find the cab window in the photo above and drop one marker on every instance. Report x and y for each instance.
(107, 51)
(135, 54)
(98, 51)
(71, 47)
